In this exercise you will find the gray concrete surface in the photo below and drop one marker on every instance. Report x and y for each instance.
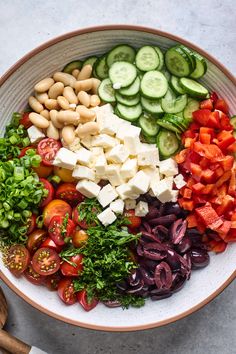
(211, 24)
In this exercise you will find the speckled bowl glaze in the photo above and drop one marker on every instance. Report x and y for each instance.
(17, 84)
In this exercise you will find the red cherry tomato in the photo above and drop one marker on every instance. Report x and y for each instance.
(83, 300)
(66, 291)
(43, 171)
(52, 281)
(60, 228)
(33, 277)
(50, 189)
(135, 221)
(49, 243)
(47, 149)
(18, 258)
(23, 151)
(69, 193)
(55, 207)
(31, 223)
(35, 239)
(82, 223)
(75, 268)
(45, 261)
(25, 121)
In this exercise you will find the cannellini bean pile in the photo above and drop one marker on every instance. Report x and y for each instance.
(62, 105)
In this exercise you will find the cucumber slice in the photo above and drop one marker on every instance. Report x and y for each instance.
(151, 106)
(126, 100)
(174, 83)
(233, 121)
(180, 114)
(131, 90)
(167, 143)
(148, 125)
(166, 73)
(167, 125)
(201, 66)
(149, 139)
(123, 73)
(147, 59)
(193, 88)
(122, 52)
(192, 106)
(106, 91)
(76, 64)
(154, 84)
(91, 61)
(172, 104)
(190, 55)
(161, 58)
(128, 113)
(177, 62)
(179, 122)
(101, 68)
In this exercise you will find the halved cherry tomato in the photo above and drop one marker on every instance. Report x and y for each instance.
(64, 174)
(25, 121)
(49, 243)
(73, 269)
(69, 193)
(60, 227)
(31, 224)
(82, 223)
(135, 221)
(35, 239)
(66, 291)
(34, 277)
(43, 171)
(83, 300)
(50, 189)
(55, 207)
(47, 149)
(45, 261)
(23, 151)
(79, 238)
(52, 281)
(18, 258)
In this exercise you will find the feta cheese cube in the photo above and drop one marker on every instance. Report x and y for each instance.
(113, 174)
(148, 156)
(83, 172)
(35, 134)
(88, 188)
(107, 123)
(65, 158)
(123, 125)
(104, 110)
(164, 190)
(123, 190)
(168, 167)
(106, 195)
(84, 156)
(104, 140)
(179, 181)
(154, 184)
(141, 209)
(140, 183)
(100, 165)
(130, 204)
(131, 139)
(87, 141)
(117, 206)
(75, 146)
(129, 168)
(106, 217)
(118, 154)
(174, 196)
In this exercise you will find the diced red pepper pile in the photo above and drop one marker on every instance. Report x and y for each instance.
(209, 168)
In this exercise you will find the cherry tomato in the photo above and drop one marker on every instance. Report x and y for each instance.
(82, 223)
(23, 151)
(66, 291)
(72, 270)
(47, 148)
(50, 189)
(33, 277)
(43, 171)
(60, 228)
(69, 193)
(35, 239)
(64, 174)
(52, 281)
(18, 258)
(49, 243)
(45, 261)
(83, 300)
(31, 223)
(25, 121)
(55, 207)
(135, 221)
(79, 238)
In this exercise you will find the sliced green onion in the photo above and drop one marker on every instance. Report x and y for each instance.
(19, 173)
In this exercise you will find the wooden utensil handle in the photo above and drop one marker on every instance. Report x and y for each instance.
(12, 344)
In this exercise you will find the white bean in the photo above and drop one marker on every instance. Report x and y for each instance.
(35, 104)
(53, 115)
(51, 104)
(41, 97)
(38, 120)
(63, 103)
(96, 83)
(68, 134)
(75, 73)
(85, 72)
(66, 79)
(44, 85)
(45, 114)
(90, 128)
(68, 117)
(52, 131)
(86, 115)
(70, 95)
(95, 100)
(84, 98)
(56, 90)
(84, 85)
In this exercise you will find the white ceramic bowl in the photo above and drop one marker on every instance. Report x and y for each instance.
(17, 84)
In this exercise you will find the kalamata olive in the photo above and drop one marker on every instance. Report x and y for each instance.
(163, 220)
(147, 277)
(135, 289)
(199, 258)
(177, 230)
(184, 245)
(171, 208)
(154, 250)
(134, 277)
(122, 286)
(186, 265)
(147, 227)
(111, 303)
(148, 264)
(178, 282)
(150, 237)
(163, 276)
(172, 259)
(160, 229)
(140, 248)
(161, 296)
(152, 213)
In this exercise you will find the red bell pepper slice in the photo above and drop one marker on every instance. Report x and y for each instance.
(187, 193)
(205, 138)
(208, 189)
(207, 104)
(226, 203)
(224, 178)
(211, 151)
(227, 162)
(197, 187)
(222, 106)
(224, 228)
(214, 97)
(232, 184)
(224, 121)
(191, 220)
(207, 176)
(217, 246)
(186, 204)
(231, 236)
(209, 216)
(181, 156)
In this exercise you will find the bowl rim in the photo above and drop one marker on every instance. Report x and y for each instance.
(61, 38)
